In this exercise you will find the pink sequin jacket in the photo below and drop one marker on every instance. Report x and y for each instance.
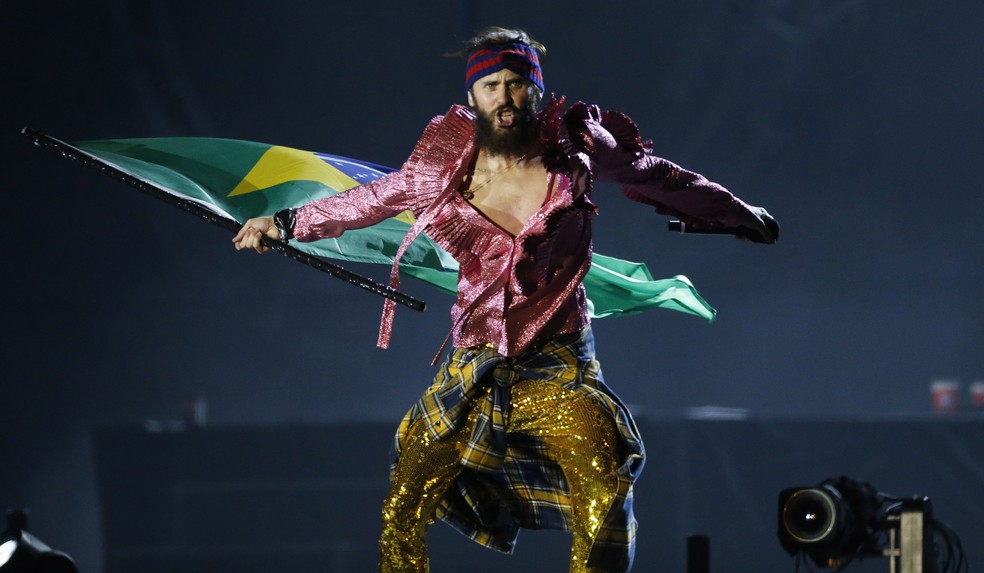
(516, 290)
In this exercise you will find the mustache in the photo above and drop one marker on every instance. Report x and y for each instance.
(516, 140)
(504, 107)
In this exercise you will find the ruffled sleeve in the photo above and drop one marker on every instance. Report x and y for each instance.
(616, 152)
(414, 187)
(356, 208)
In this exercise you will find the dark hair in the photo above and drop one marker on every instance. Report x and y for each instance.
(494, 36)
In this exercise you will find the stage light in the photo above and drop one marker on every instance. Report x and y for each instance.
(831, 522)
(21, 552)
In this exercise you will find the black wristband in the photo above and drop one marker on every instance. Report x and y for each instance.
(284, 220)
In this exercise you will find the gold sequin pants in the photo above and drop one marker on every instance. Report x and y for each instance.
(577, 433)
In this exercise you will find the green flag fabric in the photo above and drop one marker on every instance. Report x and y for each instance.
(244, 179)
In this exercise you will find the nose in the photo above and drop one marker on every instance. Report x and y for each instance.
(502, 95)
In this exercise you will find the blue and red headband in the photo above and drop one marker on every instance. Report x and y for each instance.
(518, 58)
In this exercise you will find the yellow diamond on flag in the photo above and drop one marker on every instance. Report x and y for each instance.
(282, 164)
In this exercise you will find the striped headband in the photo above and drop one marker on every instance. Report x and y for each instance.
(518, 58)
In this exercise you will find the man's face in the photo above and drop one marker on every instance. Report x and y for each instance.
(497, 95)
(506, 121)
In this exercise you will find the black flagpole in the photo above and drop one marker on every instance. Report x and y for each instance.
(281, 247)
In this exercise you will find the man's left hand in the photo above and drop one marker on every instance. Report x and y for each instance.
(760, 226)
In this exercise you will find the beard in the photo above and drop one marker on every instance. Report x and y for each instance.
(512, 141)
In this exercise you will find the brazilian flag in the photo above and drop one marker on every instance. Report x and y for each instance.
(243, 179)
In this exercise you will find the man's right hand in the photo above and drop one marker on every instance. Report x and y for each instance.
(249, 236)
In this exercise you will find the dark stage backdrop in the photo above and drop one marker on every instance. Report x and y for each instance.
(306, 497)
(857, 123)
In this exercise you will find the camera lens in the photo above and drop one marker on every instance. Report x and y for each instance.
(809, 515)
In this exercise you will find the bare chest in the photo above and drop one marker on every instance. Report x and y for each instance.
(510, 199)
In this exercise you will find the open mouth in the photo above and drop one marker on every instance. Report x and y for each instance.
(505, 117)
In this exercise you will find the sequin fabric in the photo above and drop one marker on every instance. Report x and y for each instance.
(514, 290)
(520, 327)
(541, 443)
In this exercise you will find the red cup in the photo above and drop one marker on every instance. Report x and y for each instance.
(977, 394)
(946, 396)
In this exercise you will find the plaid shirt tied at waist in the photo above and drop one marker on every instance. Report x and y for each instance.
(480, 378)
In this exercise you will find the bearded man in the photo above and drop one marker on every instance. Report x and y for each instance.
(518, 428)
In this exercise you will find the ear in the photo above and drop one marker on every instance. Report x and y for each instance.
(471, 99)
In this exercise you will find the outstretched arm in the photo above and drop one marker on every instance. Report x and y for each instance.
(356, 208)
(688, 195)
(617, 153)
